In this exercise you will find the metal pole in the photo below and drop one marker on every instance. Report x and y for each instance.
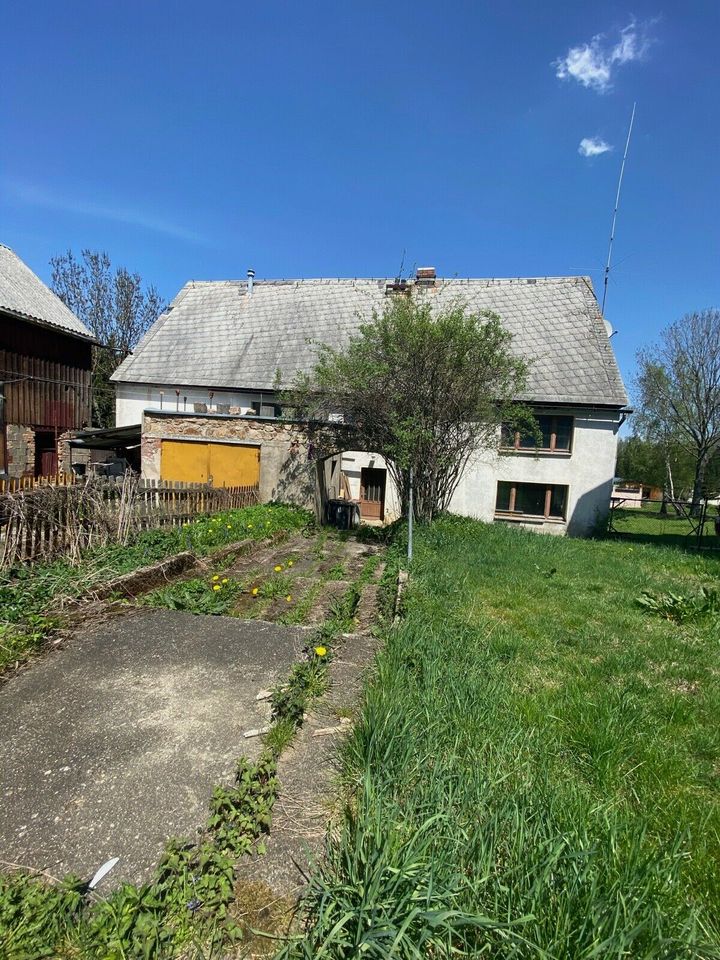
(410, 518)
(615, 211)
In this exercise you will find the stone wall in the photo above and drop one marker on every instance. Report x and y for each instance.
(20, 445)
(288, 472)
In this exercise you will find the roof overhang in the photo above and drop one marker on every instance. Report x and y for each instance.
(107, 439)
(58, 328)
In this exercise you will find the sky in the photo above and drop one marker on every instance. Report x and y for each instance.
(196, 140)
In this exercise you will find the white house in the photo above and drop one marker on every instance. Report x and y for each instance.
(203, 385)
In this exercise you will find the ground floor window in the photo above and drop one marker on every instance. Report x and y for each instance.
(544, 500)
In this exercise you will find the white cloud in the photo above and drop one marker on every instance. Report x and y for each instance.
(39, 197)
(593, 64)
(593, 146)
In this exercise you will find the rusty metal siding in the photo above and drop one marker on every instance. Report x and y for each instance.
(45, 376)
(43, 393)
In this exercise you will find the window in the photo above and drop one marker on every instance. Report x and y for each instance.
(266, 409)
(556, 436)
(547, 501)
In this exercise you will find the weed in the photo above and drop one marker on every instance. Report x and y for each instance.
(682, 607)
(185, 903)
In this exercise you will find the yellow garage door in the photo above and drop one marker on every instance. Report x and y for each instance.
(184, 461)
(220, 464)
(234, 466)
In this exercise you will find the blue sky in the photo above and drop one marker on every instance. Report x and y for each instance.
(193, 140)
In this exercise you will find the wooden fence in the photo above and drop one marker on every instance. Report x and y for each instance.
(54, 519)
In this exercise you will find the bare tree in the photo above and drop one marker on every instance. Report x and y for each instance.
(114, 306)
(679, 388)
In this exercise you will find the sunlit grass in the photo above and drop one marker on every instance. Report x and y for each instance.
(535, 770)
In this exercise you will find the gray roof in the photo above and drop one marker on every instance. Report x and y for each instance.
(24, 294)
(215, 335)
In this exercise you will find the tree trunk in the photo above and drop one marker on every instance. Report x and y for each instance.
(698, 485)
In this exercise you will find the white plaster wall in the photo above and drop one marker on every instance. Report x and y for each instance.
(353, 462)
(132, 398)
(587, 471)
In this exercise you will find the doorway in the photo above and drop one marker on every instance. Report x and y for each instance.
(372, 493)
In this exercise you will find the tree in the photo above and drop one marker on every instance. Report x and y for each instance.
(423, 390)
(679, 388)
(651, 461)
(114, 306)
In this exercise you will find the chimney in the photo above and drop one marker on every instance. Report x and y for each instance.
(425, 276)
(251, 277)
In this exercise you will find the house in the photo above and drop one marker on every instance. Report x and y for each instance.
(45, 378)
(202, 383)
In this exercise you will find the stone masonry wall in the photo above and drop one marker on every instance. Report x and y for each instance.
(287, 471)
(20, 444)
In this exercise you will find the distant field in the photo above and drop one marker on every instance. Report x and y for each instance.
(536, 772)
(649, 524)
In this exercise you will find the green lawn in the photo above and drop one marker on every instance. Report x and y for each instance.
(537, 769)
(650, 525)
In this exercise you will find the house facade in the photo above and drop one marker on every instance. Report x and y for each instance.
(203, 383)
(45, 371)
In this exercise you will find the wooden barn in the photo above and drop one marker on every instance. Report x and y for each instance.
(45, 371)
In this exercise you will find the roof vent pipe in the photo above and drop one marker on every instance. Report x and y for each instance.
(251, 277)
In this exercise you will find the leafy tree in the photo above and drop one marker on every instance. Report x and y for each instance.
(679, 388)
(655, 463)
(114, 306)
(423, 390)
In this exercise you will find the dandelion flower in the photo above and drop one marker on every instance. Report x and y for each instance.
(320, 651)
(288, 598)
(290, 563)
(216, 578)
(278, 568)
(255, 591)
(224, 579)
(229, 526)
(217, 587)
(249, 526)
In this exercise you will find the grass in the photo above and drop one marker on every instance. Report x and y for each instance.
(535, 769)
(648, 525)
(31, 595)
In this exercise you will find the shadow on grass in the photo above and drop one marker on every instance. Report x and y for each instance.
(650, 526)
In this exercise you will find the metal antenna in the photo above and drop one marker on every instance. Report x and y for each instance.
(615, 211)
(402, 264)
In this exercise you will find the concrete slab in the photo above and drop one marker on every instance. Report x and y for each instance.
(115, 743)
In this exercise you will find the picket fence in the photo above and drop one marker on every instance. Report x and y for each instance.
(48, 520)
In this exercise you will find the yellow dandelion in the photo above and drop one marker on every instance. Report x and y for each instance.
(320, 651)
(249, 526)
(224, 580)
(288, 598)
(229, 526)
(216, 578)
(277, 568)
(255, 591)
(217, 587)
(290, 563)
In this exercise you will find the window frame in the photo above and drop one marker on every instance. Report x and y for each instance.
(512, 514)
(553, 449)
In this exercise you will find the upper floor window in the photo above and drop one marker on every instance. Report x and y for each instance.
(555, 435)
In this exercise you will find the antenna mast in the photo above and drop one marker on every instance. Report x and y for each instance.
(615, 211)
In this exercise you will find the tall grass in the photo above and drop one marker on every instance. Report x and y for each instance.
(530, 776)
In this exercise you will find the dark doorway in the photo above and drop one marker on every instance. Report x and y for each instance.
(46, 463)
(372, 493)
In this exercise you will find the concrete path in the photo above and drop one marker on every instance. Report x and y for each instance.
(114, 744)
